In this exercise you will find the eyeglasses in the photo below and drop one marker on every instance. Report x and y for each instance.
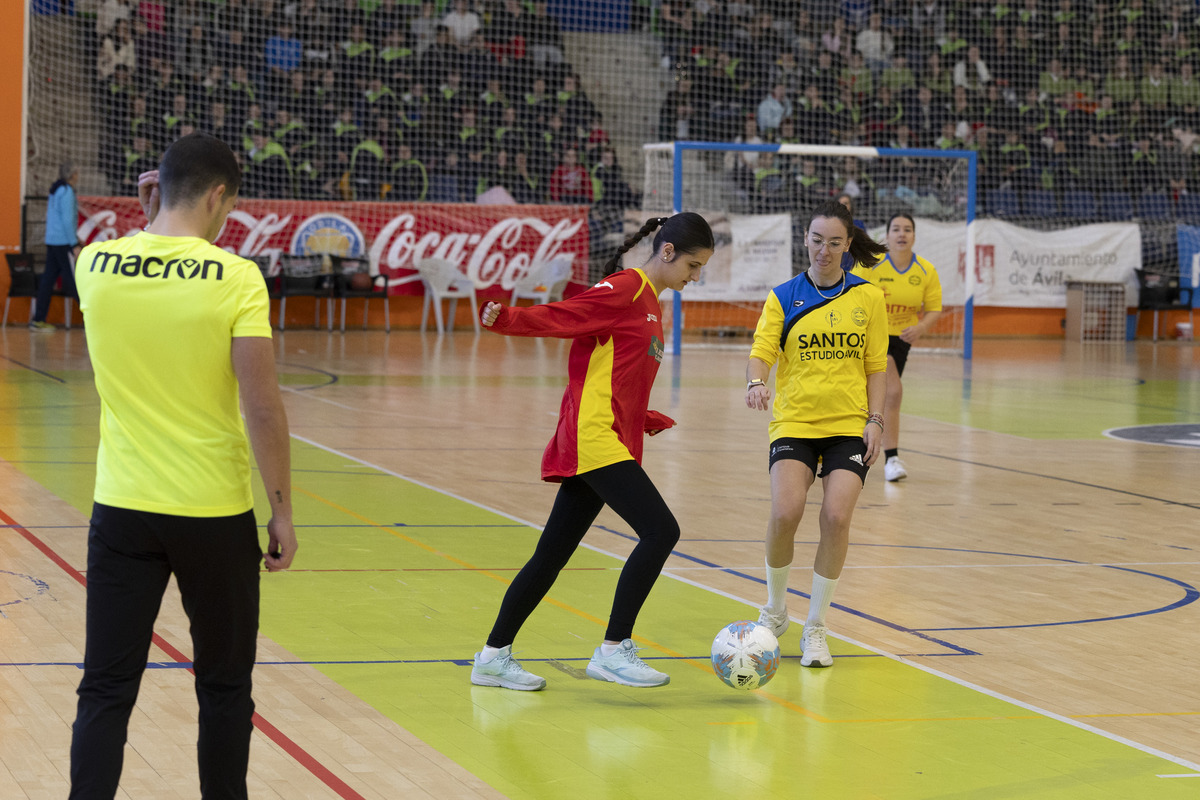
(832, 244)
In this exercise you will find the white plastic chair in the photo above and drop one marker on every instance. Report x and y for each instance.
(545, 282)
(443, 281)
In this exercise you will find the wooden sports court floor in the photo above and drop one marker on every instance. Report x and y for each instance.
(1017, 620)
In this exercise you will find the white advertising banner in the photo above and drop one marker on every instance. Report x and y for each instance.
(1023, 268)
(1018, 267)
(759, 245)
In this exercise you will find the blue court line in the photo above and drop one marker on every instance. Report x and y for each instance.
(34, 369)
(798, 593)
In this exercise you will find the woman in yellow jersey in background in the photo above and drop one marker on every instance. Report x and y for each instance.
(827, 331)
(910, 286)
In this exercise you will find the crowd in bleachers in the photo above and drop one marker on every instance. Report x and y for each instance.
(1057, 97)
(364, 100)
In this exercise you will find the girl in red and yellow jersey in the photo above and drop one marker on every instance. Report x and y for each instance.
(596, 451)
(826, 329)
(914, 302)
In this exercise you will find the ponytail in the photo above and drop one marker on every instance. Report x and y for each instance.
(863, 249)
(687, 230)
(614, 263)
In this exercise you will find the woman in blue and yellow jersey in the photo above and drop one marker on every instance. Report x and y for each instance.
(913, 295)
(596, 452)
(827, 332)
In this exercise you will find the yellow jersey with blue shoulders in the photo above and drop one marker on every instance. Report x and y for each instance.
(161, 313)
(825, 345)
(906, 291)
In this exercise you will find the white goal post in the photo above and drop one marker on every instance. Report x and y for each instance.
(937, 187)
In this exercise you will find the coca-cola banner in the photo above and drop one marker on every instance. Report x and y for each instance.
(492, 245)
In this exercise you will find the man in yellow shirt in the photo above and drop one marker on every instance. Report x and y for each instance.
(178, 332)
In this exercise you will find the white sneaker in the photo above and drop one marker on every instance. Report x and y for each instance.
(506, 672)
(815, 653)
(775, 623)
(624, 667)
(893, 469)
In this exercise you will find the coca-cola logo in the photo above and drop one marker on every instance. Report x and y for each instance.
(500, 255)
(492, 252)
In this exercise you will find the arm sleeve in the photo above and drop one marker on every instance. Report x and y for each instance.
(253, 314)
(768, 331)
(933, 291)
(875, 355)
(590, 313)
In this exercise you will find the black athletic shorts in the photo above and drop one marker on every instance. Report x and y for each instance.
(833, 452)
(898, 350)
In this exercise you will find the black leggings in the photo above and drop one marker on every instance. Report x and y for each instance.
(626, 489)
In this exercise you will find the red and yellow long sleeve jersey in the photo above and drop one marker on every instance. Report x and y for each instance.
(618, 344)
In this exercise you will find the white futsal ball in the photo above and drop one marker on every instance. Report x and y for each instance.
(745, 655)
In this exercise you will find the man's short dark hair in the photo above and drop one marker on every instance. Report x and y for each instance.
(193, 165)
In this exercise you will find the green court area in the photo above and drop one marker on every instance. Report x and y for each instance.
(399, 586)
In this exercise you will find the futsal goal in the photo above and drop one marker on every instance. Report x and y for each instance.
(757, 197)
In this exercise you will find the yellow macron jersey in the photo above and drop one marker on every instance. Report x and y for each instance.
(161, 313)
(825, 347)
(906, 291)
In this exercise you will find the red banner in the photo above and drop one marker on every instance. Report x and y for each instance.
(492, 245)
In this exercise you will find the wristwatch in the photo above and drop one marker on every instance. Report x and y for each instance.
(756, 382)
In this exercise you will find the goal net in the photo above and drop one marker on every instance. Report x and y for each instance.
(757, 197)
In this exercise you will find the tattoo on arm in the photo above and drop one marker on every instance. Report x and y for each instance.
(278, 496)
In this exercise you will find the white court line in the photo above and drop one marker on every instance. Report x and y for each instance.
(929, 670)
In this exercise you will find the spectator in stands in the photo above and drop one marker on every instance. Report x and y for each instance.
(196, 54)
(369, 161)
(928, 26)
(813, 117)
(282, 54)
(545, 39)
(1121, 84)
(268, 168)
(507, 34)
(538, 106)
(1129, 45)
(312, 180)
(677, 115)
(140, 156)
(608, 181)
(357, 64)
(242, 91)
(1174, 164)
(772, 110)
(570, 182)
(218, 124)
(1053, 82)
(677, 23)
(498, 172)
(876, 45)
(462, 22)
(409, 178)
(508, 134)
(116, 48)
(477, 64)
(293, 135)
(835, 40)
(108, 13)
(856, 78)
(1185, 96)
(937, 78)
(1144, 173)
(391, 16)
(898, 77)
(594, 141)
(740, 165)
(883, 113)
(1106, 122)
(574, 106)
(1015, 163)
(527, 184)
(971, 72)
(1155, 94)
(177, 115)
(423, 28)
(925, 117)
(344, 17)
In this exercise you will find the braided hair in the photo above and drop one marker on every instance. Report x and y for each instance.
(688, 231)
(863, 249)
